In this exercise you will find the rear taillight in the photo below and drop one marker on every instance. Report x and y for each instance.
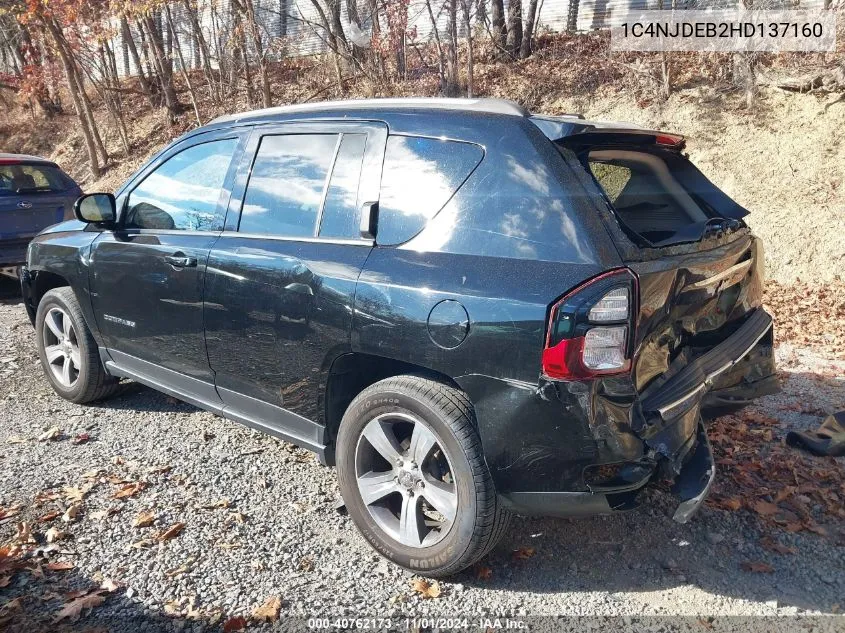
(590, 330)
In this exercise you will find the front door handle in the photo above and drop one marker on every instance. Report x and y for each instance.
(179, 260)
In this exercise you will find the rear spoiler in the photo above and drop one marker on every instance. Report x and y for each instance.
(574, 131)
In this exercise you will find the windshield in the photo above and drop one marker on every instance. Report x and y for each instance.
(28, 179)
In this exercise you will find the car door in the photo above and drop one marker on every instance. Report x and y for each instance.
(147, 275)
(281, 279)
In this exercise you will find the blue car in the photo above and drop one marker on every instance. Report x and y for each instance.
(34, 194)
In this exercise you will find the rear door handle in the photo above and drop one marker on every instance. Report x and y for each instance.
(179, 260)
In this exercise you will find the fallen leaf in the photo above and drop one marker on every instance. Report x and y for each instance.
(4, 581)
(222, 503)
(74, 609)
(144, 519)
(110, 585)
(767, 542)
(306, 564)
(93, 474)
(73, 494)
(55, 534)
(764, 508)
(10, 512)
(425, 588)
(523, 553)
(50, 434)
(732, 504)
(99, 515)
(129, 490)
(142, 544)
(236, 517)
(49, 516)
(234, 624)
(23, 535)
(817, 529)
(178, 571)
(269, 611)
(482, 572)
(72, 513)
(169, 533)
(80, 439)
(757, 568)
(172, 607)
(60, 566)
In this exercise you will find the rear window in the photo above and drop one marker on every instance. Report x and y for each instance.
(420, 175)
(659, 194)
(28, 179)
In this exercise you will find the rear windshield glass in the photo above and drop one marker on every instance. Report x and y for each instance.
(659, 194)
(23, 179)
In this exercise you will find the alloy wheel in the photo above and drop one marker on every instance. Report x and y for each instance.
(405, 479)
(61, 347)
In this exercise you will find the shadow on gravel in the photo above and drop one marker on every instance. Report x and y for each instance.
(10, 290)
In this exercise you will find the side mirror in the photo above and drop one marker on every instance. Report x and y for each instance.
(95, 208)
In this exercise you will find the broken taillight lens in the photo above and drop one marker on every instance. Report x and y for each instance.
(590, 330)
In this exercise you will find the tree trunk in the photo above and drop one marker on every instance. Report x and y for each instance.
(441, 59)
(470, 48)
(528, 30)
(497, 22)
(178, 48)
(129, 41)
(452, 76)
(67, 65)
(572, 16)
(514, 40)
(202, 45)
(163, 65)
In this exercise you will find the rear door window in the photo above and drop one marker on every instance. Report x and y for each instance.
(341, 217)
(305, 185)
(29, 179)
(420, 176)
(285, 190)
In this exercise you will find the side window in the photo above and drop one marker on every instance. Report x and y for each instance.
(420, 175)
(285, 189)
(182, 193)
(341, 214)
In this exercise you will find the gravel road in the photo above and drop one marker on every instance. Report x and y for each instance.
(259, 521)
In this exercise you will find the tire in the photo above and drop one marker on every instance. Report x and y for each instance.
(470, 518)
(86, 380)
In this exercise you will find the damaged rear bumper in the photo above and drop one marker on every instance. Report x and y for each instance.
(581, 449)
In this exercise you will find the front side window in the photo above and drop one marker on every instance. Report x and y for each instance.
(286, 188)
(183, 192)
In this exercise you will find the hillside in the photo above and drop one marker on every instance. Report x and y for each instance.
(784, 160)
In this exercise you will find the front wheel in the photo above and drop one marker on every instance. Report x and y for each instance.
(68, 351)
(413, 477)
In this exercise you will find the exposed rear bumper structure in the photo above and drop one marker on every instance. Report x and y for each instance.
(672, 435)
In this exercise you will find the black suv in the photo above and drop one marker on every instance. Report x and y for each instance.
(469, 310)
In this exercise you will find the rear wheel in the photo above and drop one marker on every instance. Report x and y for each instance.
(68, 352)
(413, 476)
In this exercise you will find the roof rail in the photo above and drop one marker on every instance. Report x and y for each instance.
(486, 105)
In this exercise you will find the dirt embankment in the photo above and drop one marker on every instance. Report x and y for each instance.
(784, 160)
